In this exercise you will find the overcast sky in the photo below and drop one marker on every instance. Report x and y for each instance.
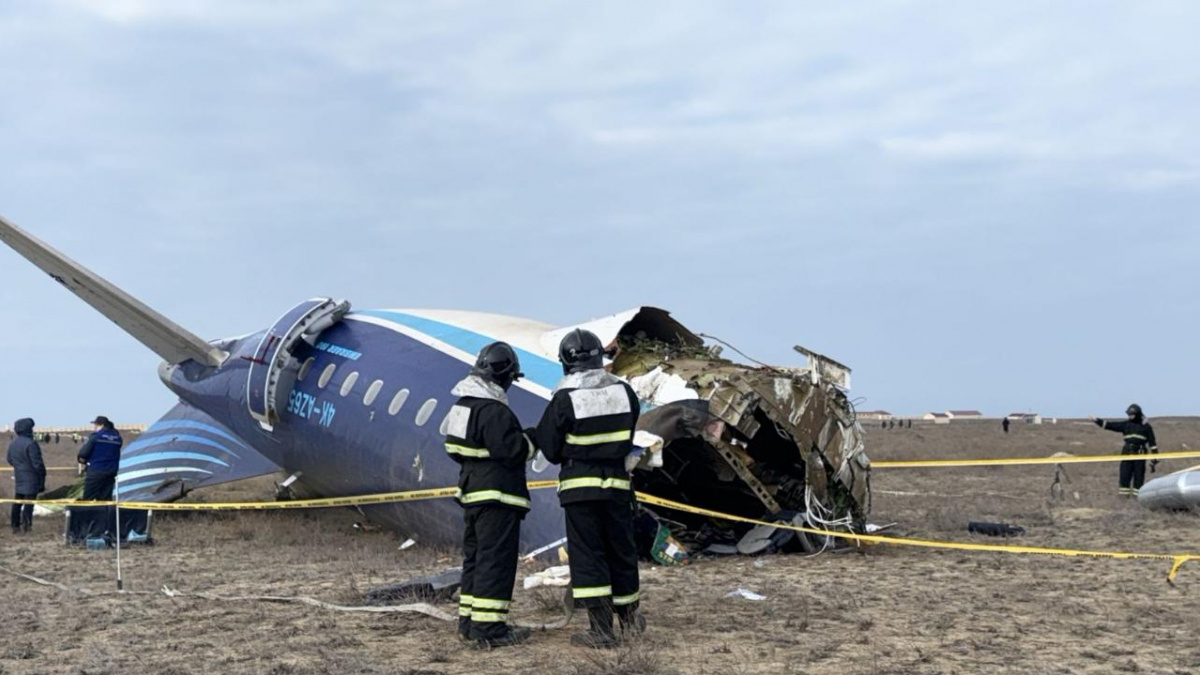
(975, 205)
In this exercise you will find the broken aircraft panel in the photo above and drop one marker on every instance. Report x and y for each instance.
(748, 440)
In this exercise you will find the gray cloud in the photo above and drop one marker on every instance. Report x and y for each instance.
(956, 199)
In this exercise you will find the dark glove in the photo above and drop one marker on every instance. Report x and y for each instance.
(1153, 465)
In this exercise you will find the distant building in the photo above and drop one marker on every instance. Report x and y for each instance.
(937, 418)
(876, 415)
(1026, 417)
(964, 414)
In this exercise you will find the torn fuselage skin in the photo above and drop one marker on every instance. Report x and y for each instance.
(754, 441)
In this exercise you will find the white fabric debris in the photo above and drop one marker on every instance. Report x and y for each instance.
(408, 543)
(744, 593)
(551, 576)
(658, 388)
(648, 452)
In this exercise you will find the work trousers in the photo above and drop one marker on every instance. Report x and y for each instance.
(491, 543)
(98, 485)
(22, 514)
(1133, 475)
(603, 554)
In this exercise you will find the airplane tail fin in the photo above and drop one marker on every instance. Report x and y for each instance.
(184, 450)
(163, 336)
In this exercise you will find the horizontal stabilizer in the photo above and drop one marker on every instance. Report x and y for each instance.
(183, 451)
(160, 334)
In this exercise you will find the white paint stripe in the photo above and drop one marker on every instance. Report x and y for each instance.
(429, 341)
(131, 475)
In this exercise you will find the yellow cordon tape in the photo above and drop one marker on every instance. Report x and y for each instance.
(8, 469)
(1177, 559)
(1017, 461)
(324, 502)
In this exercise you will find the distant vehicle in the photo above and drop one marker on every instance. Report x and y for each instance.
(350, 402)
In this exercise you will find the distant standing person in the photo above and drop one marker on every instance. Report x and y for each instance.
(1005, 424)
(1139, 440)
(101, 453)
(29, 472)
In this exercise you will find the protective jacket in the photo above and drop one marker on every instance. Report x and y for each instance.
(102, 450)
(485, 437)
(588, 430)
(25, 456)
(1139, 436)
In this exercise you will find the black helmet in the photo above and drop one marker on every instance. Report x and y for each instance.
(1135, 410)
(498, 363)
(580, 350)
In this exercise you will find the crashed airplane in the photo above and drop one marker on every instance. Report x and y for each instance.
(350, 402)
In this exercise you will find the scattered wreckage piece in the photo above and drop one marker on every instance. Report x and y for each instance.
(433, 588)
(1179, 491)
(757, 441)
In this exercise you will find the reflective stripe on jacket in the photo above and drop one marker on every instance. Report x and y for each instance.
(1139, 436)
(485, 437)
(588, 430)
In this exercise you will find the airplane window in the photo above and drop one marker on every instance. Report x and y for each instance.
(398, 402)
(349, 383)
(306, 369)
(373, 392)
(426, 411)
(326, 375)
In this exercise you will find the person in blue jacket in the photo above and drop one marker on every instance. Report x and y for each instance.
(101, 453)
(29, 472)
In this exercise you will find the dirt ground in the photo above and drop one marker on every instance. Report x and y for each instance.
(883, 610)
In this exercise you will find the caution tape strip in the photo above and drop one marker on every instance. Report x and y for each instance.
(321, 503)
(9, 469)
(1017, 461)
(1177, 559)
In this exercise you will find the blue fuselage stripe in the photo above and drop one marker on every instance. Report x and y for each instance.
(164, 425)
(140, 444)
(537, 368)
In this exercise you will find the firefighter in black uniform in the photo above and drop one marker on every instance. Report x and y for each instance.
(1139, 440)
(485, 437)
(588, 430)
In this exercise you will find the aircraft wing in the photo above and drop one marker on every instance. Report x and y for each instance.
(184, 450)
(166, 338)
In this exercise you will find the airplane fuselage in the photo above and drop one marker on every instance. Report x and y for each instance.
(365, 415)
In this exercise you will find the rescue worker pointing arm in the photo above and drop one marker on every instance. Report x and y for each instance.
(1139, 439)
(588, 430)
(485, 437)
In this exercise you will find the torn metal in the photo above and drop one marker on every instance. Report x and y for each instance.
(757, 441)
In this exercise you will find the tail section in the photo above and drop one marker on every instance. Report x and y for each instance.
(184, 450)
(164, 337)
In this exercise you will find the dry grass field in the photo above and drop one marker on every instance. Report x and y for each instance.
(881, 610)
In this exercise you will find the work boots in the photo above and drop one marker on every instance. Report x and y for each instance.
(600, 630)
(633, 622)
(464, 628)
(506, 638)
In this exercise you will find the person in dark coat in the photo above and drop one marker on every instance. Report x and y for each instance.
(29, 472)
(1139, 440)
(485, 437)
(587, 429)
(101, 453)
